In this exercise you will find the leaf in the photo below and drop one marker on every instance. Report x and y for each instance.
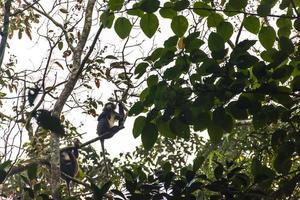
(32, 171)
(286, 45)
(202, 9)
(60, 45)
(179, 25)
(152, 80)
(225, 29)
(198, 161)
(180, 44)
(149, 6)
(222, 119)
(180, 5)
(136, 11)
(164, 128)
(141, 69)
(115, 5)
(252, 24)
(149, 135)
(238, 4)
(267, 36)
(180, 128)
(136, 109)
(295, 85)
(297, 24)
(214, 20)
(149, 24)
(63, 10)
(167, 11)
(215, 133)
(107, 19)
(123, 27)
(215, 42)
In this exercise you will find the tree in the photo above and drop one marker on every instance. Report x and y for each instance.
(229, 67)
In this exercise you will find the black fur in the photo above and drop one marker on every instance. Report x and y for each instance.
(47, 121)
(69, 165)
(32, 94)
(107, 130)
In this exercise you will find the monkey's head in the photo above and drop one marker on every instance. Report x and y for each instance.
(76, 142)
(109, 107)
(64, 156)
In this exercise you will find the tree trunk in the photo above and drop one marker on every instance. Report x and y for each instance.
(66, 92)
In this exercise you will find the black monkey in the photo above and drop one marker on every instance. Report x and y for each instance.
(106, 124)
(68, 163)
(46, 120)
(32, 94)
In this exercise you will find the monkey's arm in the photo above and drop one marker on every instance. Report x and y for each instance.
(122, 115)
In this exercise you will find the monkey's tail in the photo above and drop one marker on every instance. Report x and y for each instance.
(104, 158)
(68, 188)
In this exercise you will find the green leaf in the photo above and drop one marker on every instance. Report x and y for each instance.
(149, 135)
(136, 109)
(32, 171)
(179, 25)
(60, 45)
(149, 24)
(267, 36)
(167, 11)
(297, 24)
(252, 24)
(164, 128)
(115, 4)
(171, 41)
(295, 85)
(149, 6)
(215, 42)
(123, 27)
(238, 4)
(225, 29)
(198, 161)
(152, 80)
(286, 45)
(107, 19)
(180, 128)
(136, 11)
(282, 165)
(214, 20)
(282, 72)
(202, 9)
(141, 69)
(237, 112)
(138, 126)
(180, 5)
(3, 175)
(222, 119)
(263, 10)
(215, 133)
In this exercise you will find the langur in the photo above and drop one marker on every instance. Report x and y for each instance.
(32, 94)
(46, 120)
(69, 163)
(106, 124)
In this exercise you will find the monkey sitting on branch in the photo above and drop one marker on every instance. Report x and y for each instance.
(69, 163)
(106, 127)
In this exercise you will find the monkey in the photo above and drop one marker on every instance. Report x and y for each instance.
(32, 94)
(106, 127)
(69, 163)
(46, 120)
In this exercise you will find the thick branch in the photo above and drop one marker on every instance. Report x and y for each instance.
(4, 34)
